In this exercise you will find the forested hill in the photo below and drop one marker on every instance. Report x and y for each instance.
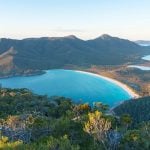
(138, 109)
(57, 52)
(34, 122)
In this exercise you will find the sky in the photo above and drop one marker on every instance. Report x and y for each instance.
(86, 19)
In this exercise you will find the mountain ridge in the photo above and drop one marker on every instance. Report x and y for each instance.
(57, 52)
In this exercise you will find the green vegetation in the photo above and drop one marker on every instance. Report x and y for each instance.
(135, 78)
(27, 55)
(33, 122)
(139, 110)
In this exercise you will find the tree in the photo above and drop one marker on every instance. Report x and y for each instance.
(100, 107)
(81, 109)
(126, 120)
(98, 127)
(6, 144)
(16, 127)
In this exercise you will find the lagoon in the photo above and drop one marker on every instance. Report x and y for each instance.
(79, 86)
(144, 68)
(146, 57)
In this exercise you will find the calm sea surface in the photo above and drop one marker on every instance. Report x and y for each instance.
(76, 85)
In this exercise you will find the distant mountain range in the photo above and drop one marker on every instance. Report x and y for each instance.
(58, 52)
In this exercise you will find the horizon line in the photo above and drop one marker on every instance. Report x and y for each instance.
(71, 36)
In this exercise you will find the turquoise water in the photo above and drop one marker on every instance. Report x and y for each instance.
(76, 85)
(144, 44)
(145, 68)
(140, 67)
(146, 57)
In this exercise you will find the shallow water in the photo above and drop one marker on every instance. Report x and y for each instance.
(140, 67)
(146, 57)
(76, 85)
(144, 68)
(144, 44)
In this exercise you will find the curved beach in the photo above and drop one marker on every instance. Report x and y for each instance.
(122, 85)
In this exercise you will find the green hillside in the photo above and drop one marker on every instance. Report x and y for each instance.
(48, 53)
(138, 109)
(33, 122)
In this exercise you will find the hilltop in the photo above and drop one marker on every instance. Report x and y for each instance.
(33, 54)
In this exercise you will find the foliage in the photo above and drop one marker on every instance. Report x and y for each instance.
(136, 139)
(43, 53)
(6, 145)
(97, 126)
(101, 107)
(33, 122)
(137, 109)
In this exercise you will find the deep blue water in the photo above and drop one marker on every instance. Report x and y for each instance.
(71, 84)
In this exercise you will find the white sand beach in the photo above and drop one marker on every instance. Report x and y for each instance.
(122, 85)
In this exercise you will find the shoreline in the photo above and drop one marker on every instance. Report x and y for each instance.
(132, 93)
(125, 87)
(23, 75)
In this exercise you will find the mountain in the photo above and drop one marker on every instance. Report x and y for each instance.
(116, 51)
(58, 52)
